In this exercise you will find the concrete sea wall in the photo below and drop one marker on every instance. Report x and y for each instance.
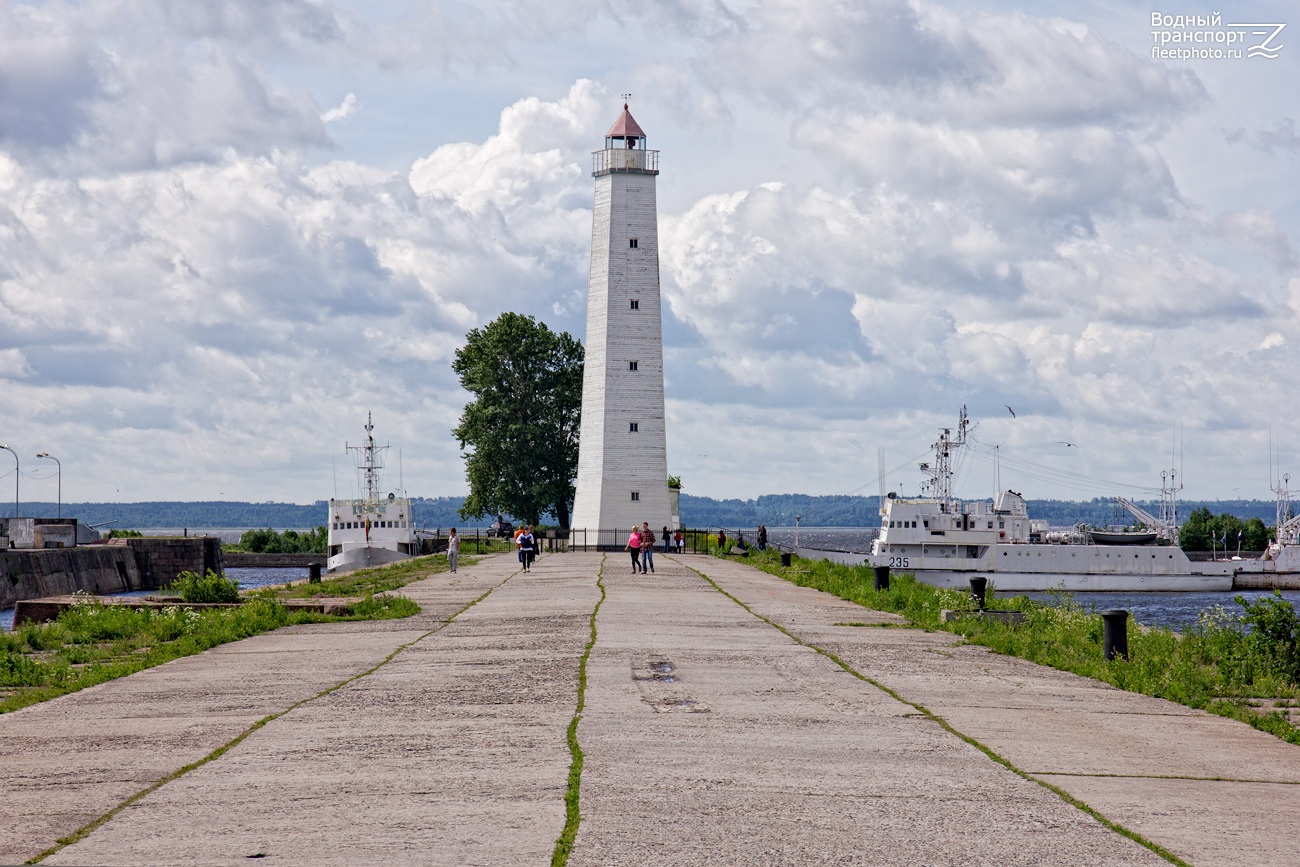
(118, 567)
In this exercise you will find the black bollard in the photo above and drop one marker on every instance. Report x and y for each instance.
(1114, 633)
(882, 577)
(978, 588)
(313, 573)
(785, 558)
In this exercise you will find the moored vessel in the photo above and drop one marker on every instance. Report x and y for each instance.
(945, 542)
(375, 528)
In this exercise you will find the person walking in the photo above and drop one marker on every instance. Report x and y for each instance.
(453, 549)
(528, 547)
(668, 540)
(762, 537)
(634, 546)
(680, 540)
(647, 547)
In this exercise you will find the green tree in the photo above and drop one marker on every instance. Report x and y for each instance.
(521, 428)
(1194, 535)
(1203, 531)
(268, 541)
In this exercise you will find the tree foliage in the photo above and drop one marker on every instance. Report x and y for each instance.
(521, 428)
(1202, 526)
(268, 541)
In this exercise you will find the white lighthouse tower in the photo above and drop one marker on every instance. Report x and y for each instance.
(622, 451)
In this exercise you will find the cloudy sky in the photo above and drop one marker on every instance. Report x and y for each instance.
(227, 230)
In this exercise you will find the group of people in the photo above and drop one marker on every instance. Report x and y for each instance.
(740, 540)
(641, 545)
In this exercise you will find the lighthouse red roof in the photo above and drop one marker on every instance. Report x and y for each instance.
(625, 127)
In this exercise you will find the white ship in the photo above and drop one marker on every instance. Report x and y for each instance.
(945, 542)
(375, 529)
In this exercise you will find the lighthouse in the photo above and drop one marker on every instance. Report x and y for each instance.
(622, 448)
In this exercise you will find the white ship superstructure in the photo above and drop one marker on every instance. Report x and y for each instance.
(375, 528)
(945, 542)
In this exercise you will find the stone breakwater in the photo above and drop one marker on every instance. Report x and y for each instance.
(118, 567)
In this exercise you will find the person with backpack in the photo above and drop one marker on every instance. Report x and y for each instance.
(668, 540)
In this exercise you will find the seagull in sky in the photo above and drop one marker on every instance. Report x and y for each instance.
(1010, 410)
(1067, 445)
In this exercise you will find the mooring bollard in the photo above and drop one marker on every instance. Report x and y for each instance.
(313, 573)
(882, 577)
(978, 588)
(785, 558)
(1114, 633)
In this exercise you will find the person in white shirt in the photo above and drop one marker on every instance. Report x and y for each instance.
(453, 548)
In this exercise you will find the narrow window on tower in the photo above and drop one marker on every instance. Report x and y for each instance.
(631, 242)
(636, 304)
(631, 365)
(636, 496)
(631, 426)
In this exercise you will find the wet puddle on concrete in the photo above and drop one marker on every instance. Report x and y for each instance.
(658, 681)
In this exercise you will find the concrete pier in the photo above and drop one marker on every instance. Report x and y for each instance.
(116, 567)
(729, 718)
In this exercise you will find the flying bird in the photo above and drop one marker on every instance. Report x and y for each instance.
(1067, 445)
(1010, 410)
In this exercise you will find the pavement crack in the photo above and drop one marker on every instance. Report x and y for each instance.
(1189, 777)
(948, 727)
(103, 819)
(572, 816)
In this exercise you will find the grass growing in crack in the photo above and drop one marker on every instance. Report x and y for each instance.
(572, 795)
(1229, 659)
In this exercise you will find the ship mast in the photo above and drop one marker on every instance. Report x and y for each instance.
(368, 463)
(1169, 488)
(939, 486)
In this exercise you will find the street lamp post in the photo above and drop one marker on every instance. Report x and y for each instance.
(16, 465)
(59, 476)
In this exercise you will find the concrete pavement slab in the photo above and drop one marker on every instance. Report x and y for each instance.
(67, 761)
(1147, 764)
(713, 738)
(718, 729)
(453, 753)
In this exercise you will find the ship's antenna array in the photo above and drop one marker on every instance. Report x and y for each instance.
(1169, 488)
(368, 463)
(1288, 528)
(880, 468)
(939, 486)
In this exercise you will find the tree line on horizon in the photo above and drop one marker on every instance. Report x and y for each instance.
(774, 510)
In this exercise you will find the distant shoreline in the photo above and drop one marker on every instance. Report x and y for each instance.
(773, 510)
